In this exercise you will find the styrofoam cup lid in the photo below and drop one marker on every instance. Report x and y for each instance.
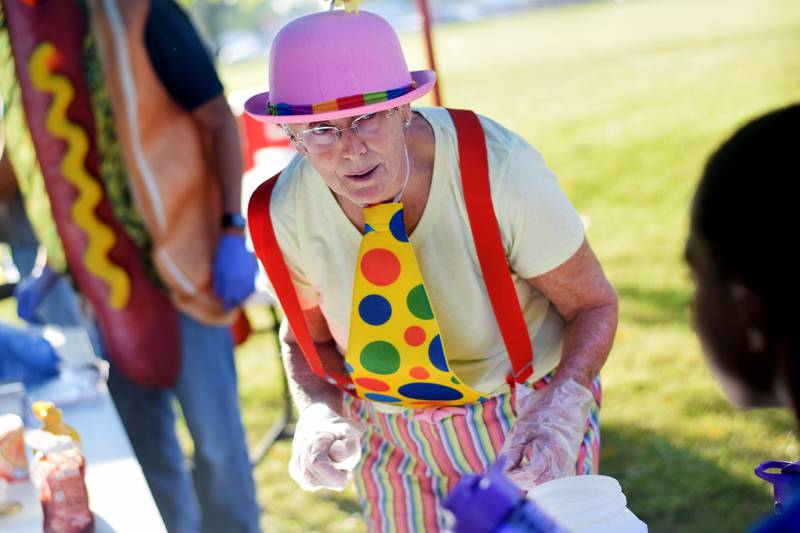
(583, 484)
(589, 503)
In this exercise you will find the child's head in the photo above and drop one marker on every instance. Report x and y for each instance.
(741, 249)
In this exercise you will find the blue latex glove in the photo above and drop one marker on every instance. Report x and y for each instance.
(25, 356)
(235, 270)
(31, 292)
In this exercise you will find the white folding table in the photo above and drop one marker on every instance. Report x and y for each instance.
(118, 493)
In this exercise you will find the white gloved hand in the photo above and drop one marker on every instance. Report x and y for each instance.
(544, 441)
(325, 450)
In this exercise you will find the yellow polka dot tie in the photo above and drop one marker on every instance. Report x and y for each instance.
(395, 352)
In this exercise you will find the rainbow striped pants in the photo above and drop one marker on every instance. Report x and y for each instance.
(409, 466)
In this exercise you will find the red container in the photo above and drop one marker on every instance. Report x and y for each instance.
(59, 473)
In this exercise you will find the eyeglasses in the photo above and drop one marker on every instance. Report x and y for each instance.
(323, 137)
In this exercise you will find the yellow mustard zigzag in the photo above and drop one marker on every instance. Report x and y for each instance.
(100, 237)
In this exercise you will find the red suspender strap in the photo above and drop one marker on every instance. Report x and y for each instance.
(269, 252)
(488, 243)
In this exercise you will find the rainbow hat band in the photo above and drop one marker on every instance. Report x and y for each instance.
(346, 102)
(344, 61)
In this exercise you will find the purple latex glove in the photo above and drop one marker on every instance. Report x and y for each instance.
(31, 292)
(544, 441)
(26, 356)
(235, 270)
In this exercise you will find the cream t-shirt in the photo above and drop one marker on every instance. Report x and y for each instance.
(540, 231)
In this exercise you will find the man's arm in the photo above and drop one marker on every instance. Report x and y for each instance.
(186, 70)
(326, 444)
(216, 117)
(306, 387)
(584, 297)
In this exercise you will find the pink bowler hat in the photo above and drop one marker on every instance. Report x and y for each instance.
(336, 64)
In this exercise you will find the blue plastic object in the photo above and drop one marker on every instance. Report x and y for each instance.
(25, 356)
(235, 270)
(31, 292)
(493, 504)
(786, 482)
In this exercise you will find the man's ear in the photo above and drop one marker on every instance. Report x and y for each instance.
(297, 146)
(405, 113)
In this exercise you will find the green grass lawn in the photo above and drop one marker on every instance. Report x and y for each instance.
(625, 100)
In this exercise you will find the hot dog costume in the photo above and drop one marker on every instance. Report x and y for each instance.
(118, 184)
(111, 206)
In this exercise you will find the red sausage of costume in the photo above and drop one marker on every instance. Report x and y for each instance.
(138, 322)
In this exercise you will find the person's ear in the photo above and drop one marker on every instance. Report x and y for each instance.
(297, 145)
(750, 309)
(405, 114)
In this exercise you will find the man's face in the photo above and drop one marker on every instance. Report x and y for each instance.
(367, 167)
(721, 324)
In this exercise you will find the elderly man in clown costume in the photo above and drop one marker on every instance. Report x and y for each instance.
(443, 305)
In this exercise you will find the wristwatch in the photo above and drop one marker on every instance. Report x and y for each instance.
(233, 220)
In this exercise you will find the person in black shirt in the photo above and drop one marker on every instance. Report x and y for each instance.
(206, 389)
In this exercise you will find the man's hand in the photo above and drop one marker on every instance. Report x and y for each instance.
(235, 270)
(544, 441)
(325, 449)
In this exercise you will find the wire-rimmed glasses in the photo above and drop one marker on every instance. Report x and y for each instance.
(323, 137)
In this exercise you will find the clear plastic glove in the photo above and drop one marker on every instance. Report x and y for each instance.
(325, 450)
(235, 270)
(544, 441)
(31, 292)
